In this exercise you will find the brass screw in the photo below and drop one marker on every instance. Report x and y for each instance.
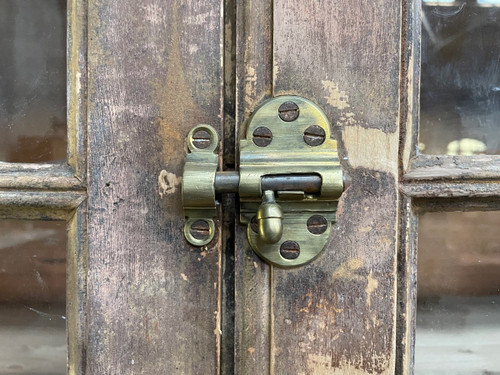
(317, 224)
(200, 230)
(290, 250)
(288, 111)
(202, 139)
(314, 135)
(254, 225)
(262, 136)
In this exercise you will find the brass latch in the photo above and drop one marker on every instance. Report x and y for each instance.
(289, 182)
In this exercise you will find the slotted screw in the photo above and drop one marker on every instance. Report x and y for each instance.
(317, 224)
(290, 250)
(254, 225)
(262, 136)
(314, 135)
(202, 139)
(288, 111)
(200, 230)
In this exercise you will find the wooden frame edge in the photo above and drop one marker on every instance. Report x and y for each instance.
(76, 290)
(77, 87)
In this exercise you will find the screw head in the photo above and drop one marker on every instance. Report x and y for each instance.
(254, 225)
(288, 111)
(262, 136)
(202, 139)
(317, 224)
(200, 230)
(314, 135)
(290, 250)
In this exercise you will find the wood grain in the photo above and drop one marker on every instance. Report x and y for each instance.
(460, 168)
(155, 71)
(253, 87)
(337, 315)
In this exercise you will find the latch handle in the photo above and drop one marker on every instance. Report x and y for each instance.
(270, 218)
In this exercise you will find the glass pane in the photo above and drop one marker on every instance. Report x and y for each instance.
(460, 82)
(32, 297)
(458, 303)
(33, 80)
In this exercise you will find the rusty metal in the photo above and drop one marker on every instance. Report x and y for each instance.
(314, 135)
(262, 136)
(288, 111)
(290, 250)
(317, 224)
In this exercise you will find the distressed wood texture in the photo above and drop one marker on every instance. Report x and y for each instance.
(460, 168)
(253, 86)
(337, 315)
(155, 71)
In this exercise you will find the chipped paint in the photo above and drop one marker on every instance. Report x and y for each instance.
(335, 97)
(250, 86)
(371, 286)
(347, 270)
(318, 364)
(360, 143)
(167, 183)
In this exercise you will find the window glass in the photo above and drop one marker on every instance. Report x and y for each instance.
(32, 297)
(33, 80)
(458, 303)
(460, 77)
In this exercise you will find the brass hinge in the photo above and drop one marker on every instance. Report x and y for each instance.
(289, 182)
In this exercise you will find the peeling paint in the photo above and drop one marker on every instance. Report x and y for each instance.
(167, 183)
(250, 86)
(347, 270)
(371, 286)
(318, 364)
(361, 142)
(336, 97)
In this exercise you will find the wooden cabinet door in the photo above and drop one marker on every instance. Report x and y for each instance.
(156, 305)
(336, 315)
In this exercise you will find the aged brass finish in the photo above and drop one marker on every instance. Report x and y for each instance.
(198, 182)
(270, 218)
(289, 181)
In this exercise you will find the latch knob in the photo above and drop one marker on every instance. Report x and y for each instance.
(270, 218)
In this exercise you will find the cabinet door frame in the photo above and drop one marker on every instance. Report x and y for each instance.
(429, 183)
(250, 55)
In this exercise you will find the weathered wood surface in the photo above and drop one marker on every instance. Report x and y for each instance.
(451, 189)
(445, 167)
(155, 71)
(337, 315)
(253, 87)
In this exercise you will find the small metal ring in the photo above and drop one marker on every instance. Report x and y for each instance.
(194, 241)
(214, 139)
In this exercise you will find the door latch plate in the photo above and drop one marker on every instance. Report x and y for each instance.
(297, 142)
(289, 181)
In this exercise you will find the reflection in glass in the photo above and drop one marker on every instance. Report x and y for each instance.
(32, 297)
(460, 77)
(458, 303)
(32, 80)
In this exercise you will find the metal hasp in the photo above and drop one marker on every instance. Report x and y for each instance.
(289, 182)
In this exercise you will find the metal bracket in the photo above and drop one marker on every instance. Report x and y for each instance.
(289, 181)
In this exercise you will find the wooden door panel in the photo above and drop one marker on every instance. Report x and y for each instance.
(155, 71)
(337, 315)
(254, 85)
